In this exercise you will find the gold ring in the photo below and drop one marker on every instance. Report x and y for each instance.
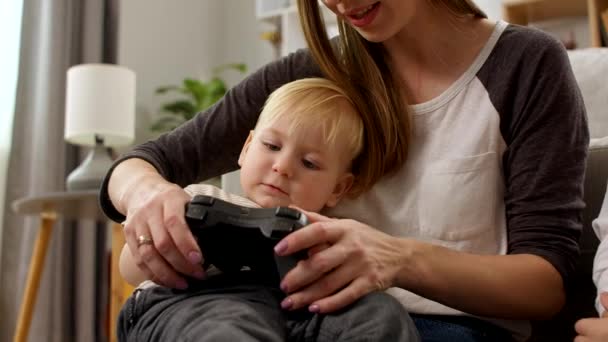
(144, 240)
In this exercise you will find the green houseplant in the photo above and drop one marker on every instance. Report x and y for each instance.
(197, 95)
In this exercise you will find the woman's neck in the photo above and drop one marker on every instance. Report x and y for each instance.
(434, 49)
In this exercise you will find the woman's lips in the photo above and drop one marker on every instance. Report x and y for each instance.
(363, 16)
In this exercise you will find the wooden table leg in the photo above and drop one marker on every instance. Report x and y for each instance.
(33, 276)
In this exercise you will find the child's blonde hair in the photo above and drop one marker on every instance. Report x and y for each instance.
(314, 102)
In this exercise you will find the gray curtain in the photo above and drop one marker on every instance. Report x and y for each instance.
(72, 299)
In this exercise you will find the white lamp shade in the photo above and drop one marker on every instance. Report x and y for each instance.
(100, 100)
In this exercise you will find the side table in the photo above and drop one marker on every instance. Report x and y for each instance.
(72, 205)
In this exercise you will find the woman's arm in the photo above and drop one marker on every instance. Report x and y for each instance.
(521, 286)
(362, 259)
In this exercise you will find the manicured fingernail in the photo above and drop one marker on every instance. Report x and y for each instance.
(314, 308)
(280, 247)
(284, 287)
(195, 257)
(181, 284)
(287, 303)
(199, 275)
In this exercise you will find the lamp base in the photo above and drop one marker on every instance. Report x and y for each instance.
(90, 174)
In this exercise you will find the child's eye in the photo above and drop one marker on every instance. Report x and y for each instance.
(272, 147)
(309, 165)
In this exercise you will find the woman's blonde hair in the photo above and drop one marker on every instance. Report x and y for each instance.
(361, 68)
(318, 102)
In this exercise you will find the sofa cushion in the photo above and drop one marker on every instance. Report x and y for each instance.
(590, 68)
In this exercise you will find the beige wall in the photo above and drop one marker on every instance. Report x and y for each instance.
(164, 42)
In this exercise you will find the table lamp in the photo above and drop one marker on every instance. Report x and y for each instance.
(99, 112)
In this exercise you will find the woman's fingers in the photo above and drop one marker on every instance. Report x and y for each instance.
(314, 234)
(172, 261)
(146, 258)
(175, 223)
(316, 266)
(162, 272)
(328, 284)
(355, 290)
(317, 248)
(312, 216)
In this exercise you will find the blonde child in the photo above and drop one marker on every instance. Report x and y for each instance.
(300, 153)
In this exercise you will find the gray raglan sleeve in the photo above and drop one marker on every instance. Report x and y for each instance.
(209, 144)
(544, 124)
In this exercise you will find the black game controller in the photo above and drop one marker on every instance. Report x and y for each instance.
(233, 238)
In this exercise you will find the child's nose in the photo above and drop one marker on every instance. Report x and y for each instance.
(282, 165)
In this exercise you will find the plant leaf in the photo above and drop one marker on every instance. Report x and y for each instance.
(200, 95)
(166, 123)
(196, 89)
(180, 107)
(164, 89)
(216, 87)
(240, 67)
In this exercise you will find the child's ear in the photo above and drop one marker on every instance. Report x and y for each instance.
(245, 148)
(342, 187)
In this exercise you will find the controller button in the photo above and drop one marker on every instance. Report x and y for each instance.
(287, 213)
(196, 213)
(203, 200)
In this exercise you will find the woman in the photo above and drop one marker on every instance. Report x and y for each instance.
(482, 146)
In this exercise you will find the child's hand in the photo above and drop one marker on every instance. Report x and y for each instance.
(594, 329)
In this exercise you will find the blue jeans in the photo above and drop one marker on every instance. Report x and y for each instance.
(226, 308)
(435, 328)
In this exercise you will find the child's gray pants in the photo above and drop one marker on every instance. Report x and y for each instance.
(229, 309)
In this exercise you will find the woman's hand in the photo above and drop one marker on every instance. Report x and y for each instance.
(594, 329)
(347, 260)
(159, 239)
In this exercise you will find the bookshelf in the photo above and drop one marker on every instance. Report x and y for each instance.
(522, 12)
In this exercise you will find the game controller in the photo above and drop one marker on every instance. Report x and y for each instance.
(234, 238)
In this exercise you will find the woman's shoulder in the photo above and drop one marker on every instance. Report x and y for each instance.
(526, 44)
(524, 55)
(519, 36)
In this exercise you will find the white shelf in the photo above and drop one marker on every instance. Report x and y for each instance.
(271, 9)
(275, 14)
(284, 15)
